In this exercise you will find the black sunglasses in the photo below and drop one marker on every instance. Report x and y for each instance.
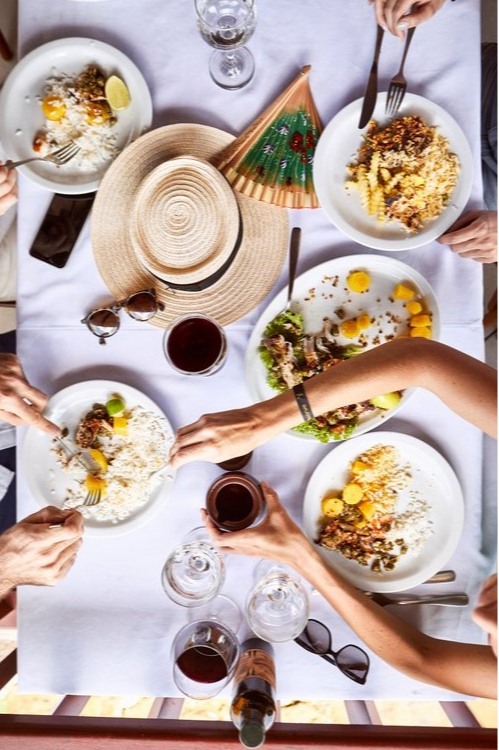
(351, 660)
(104, 322)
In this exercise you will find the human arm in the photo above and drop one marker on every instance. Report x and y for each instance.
(33, 553)
(20, 402)
(474, 235)
(391, 14)
(466, 385)
(465, 668)
(8, 189)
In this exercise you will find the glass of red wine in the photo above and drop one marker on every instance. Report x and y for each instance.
(195, 345)
(206, 651)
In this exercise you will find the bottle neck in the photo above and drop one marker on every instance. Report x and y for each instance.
(252, 730)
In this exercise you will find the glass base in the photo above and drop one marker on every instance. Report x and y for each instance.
(220, 609)
(232, 70)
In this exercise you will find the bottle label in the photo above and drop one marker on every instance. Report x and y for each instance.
(256, 663)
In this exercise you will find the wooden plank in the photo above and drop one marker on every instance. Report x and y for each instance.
(459, 714)
(71, 705)
(85, 733)
(8, 668)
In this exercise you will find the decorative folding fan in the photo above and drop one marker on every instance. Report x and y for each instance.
(272, 160)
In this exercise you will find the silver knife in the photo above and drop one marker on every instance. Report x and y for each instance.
(88, 468)
(371, 92)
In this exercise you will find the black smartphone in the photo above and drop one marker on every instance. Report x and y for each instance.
(61, 227)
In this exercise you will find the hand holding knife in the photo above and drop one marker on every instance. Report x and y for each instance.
(371, 92)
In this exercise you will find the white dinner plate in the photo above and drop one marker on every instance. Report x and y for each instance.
(47, 481)
(21, 116)
(385, 274)
(338, 146)
(433, 480)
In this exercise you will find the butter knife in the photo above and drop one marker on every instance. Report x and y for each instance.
(371, 92)
(88, 468)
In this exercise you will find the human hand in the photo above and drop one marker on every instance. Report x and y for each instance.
(391, 14)
(33, 553)
(474, 235)
(218, 437)
(20, 403)
(485, 614)
(276, 538)
(8, 189)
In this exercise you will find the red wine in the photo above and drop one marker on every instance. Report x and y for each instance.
(202, 664)
(194, 344)
(235, 501)
(234, 464)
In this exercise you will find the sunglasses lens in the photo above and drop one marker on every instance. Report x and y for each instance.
(318, 636)
(103, 323)
(142, 306)
(353, 662)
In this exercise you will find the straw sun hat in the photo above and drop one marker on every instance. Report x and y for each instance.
(164, 216)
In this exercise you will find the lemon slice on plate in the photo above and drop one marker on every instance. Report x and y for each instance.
(117, 94)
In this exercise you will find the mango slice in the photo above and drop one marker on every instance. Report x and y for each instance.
(413, 308)
(424, 333)
(352, 494)
(401, 291)
(358, 281)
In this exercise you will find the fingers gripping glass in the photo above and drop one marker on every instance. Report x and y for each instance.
(105, 321)
(351, 660)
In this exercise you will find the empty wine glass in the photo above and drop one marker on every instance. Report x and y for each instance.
(206, 651)
(194, 572)
(227, 25)
(278, 605)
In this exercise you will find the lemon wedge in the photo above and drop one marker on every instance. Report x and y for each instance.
(117, 94)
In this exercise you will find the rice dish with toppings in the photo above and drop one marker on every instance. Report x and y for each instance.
(131, 460)
(76, 110)
(363, 522)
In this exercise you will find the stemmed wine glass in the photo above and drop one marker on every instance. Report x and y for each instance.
(227, 25)
(206, 651)
(278, 605)
(194, 572)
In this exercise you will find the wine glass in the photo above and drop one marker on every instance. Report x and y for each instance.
(194, 572)
(206, 651)
(278, 605)
(227, 25)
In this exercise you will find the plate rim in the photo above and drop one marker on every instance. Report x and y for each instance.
(150, 508)
(24, 63)
(364, 258)
(451, 542)
(412, 242)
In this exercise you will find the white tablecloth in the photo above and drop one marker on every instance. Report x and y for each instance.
(108, 628)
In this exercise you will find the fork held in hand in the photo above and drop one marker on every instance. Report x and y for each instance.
(93, 498)
(398, 84)
(62, 156)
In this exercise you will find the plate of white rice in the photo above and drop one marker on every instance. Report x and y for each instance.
(50, 69)
(138, 478)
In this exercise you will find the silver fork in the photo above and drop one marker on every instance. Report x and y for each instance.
(62, 156)
(93, 498)
(398, 84)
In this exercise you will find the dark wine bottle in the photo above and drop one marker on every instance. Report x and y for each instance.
(253, 707)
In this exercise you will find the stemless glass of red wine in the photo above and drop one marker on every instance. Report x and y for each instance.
(195, 345)
(206, 651)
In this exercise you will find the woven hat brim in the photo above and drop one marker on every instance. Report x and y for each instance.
(256, 266)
